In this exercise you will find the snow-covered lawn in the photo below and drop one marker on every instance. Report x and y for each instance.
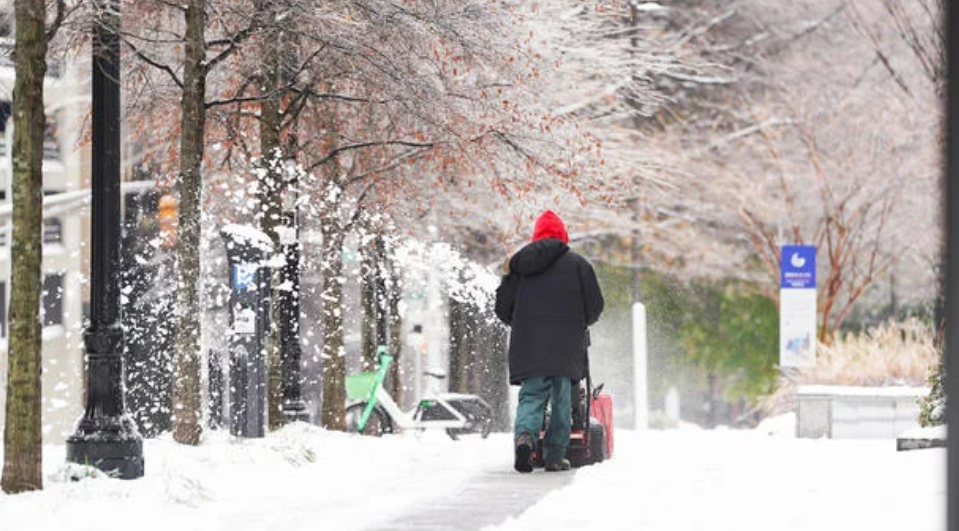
(694, 480)
(306, 479)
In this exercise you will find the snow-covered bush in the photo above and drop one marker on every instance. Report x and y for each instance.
(932, 408)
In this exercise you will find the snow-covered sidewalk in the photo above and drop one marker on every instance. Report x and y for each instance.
(304, 478)
(725, 480)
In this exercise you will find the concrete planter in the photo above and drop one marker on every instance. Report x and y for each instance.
(840, 412)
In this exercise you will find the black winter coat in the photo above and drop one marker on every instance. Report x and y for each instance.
(549, 298)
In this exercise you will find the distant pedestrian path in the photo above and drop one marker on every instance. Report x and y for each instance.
(488, 499)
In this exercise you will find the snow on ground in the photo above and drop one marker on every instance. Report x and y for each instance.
(304, 478)
(301, 478)
(930, 432)
(748, 480)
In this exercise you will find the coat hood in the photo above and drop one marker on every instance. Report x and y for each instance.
(549, 225)
(536, 257)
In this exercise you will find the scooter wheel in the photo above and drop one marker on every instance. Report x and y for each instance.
(487, 427)
(377, 425)
(483, 430)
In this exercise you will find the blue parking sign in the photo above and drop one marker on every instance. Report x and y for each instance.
(244, 276)
(798, 267)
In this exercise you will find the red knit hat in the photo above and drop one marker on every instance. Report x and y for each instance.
(550, 226)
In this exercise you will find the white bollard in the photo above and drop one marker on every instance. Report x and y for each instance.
(640, 387)
(672, 405)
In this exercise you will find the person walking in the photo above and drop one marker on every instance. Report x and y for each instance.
(548, 297)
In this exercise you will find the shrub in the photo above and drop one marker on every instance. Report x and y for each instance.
(932, 410)
(890, 354)
(894, 353)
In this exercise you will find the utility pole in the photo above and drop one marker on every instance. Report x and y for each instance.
(106, 436)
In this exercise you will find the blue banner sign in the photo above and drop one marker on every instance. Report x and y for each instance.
(798, 267)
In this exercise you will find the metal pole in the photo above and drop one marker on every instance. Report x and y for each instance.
(106, 436)
(951, 216)
(293, 406)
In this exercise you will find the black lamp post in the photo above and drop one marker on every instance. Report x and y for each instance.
(106, 436)
(293, 406)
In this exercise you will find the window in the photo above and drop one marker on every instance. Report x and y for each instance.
(52, 230)
(3, 309)
(51, 149)
(6, 110)
(52, 300)
(6, 20)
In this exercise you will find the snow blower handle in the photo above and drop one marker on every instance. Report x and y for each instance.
(589, 392)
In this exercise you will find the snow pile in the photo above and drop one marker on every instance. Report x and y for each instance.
(301, 477)
(930, 432)
(746, 481)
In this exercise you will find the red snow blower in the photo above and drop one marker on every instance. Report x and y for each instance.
(591, 437)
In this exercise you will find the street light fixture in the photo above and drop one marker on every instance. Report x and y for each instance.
(106, 436)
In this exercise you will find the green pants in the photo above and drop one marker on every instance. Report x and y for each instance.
(533, 395)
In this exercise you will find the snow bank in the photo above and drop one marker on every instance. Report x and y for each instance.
(931, 432)
(299, 478)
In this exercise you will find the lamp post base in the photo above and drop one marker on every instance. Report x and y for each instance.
(122, 458)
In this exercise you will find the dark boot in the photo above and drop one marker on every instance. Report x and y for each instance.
(558, 466)
(524, 450)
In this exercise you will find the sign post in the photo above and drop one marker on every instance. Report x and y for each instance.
(797, 306)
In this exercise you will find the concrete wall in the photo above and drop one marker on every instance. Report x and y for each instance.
(840, 412)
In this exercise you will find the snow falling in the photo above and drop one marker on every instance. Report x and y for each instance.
(311, 190)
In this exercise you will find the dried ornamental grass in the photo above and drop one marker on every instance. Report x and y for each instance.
(893, 353)
(890, 354)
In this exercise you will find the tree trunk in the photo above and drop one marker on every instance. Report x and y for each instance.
(496, 388)
(368, 302)
(461, 322)
(22, 439)
(456, 345)
(334, 360)
(270, 196)
(394, 295)
(186, 398)
(333, 232)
